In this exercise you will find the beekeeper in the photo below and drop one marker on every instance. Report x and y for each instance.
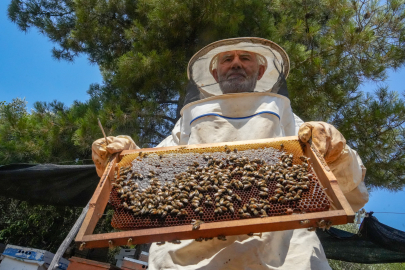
(243, 96)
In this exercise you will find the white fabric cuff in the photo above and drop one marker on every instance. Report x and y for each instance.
(358, 197)
(348, 169)
(350, 172)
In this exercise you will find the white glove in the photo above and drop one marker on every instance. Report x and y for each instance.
(327, 139)
(101, 151)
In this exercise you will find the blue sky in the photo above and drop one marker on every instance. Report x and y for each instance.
(28, 70)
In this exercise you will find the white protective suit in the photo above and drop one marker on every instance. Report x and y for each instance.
(248, 116)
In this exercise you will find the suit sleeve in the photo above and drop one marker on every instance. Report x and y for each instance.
(174, 138)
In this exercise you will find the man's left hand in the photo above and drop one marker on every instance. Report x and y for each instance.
(327, 139)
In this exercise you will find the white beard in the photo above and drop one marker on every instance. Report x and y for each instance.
(238, 85)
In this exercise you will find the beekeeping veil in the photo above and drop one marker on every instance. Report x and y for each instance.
(202, 83)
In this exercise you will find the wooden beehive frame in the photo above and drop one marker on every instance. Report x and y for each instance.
(340, 212)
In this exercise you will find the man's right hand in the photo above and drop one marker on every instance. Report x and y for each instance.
(101, 151)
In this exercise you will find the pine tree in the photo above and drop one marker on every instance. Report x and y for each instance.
(143, 48)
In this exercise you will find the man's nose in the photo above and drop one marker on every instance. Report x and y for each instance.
(236, 63)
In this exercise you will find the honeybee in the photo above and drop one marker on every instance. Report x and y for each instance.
(328, 224)
(153, 211)
(175, 242)
(218, 210)
(182, 212)
(179, 204)
(221, 237)
(247, 186)
(184, 200)
(279, 186)
(196, 224)
(208, 202)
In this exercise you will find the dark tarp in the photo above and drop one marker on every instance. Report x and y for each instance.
(64, 185)
(73, 185)
(374, 243)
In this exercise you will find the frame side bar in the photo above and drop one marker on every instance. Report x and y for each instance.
(332, 186)
(99, 200)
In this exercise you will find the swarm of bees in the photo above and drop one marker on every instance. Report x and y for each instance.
(254, 208)
(212, 186)
(292, 179)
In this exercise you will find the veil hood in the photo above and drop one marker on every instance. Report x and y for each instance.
(272, 56)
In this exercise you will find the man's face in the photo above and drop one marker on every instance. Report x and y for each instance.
(237, 71)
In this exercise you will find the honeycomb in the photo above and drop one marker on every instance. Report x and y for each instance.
(166, 164)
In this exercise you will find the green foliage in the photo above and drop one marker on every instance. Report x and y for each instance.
(41, 226)
(143, 48)
(42, 136)
(35, 225)
(340, 265)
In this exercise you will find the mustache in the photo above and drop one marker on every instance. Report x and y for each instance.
(240, 72)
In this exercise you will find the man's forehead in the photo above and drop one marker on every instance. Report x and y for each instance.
(220, 58)
(235, 52)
